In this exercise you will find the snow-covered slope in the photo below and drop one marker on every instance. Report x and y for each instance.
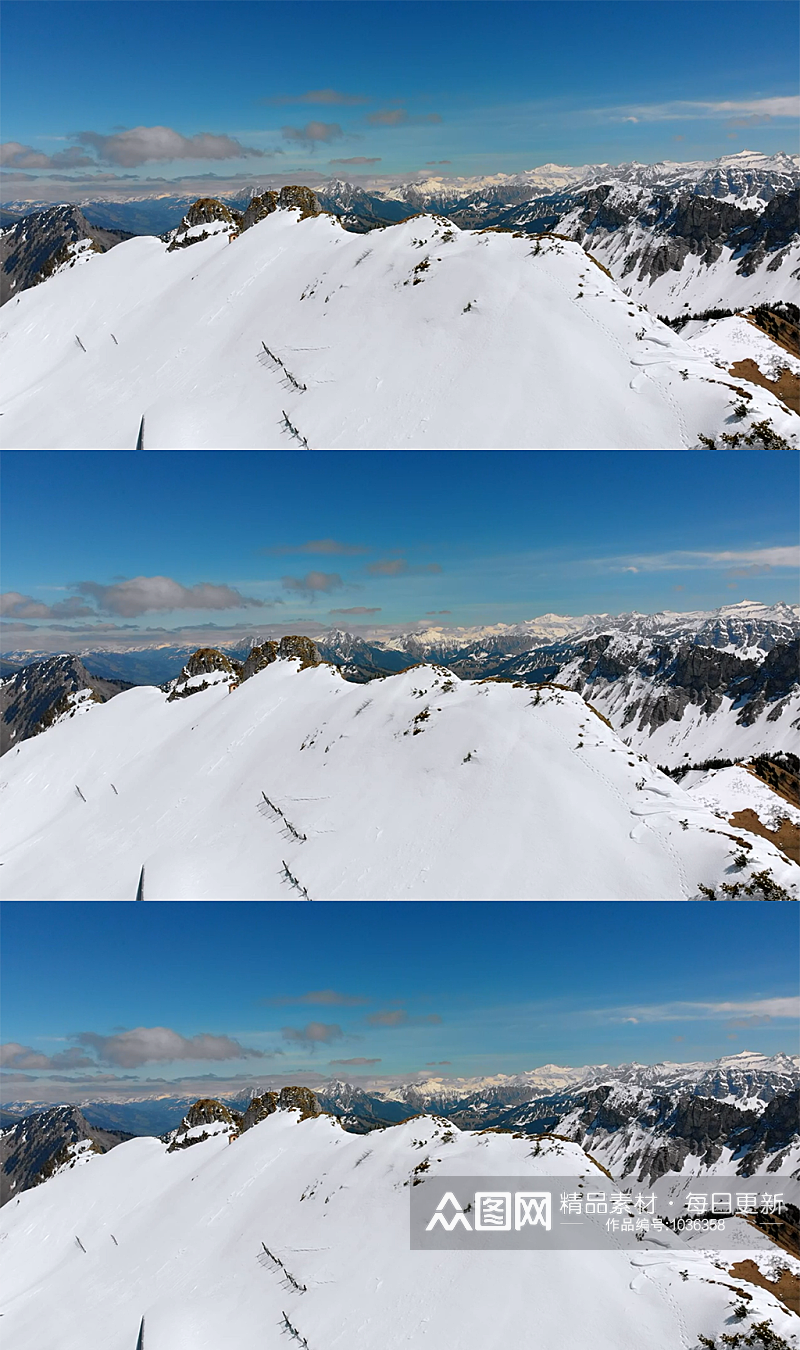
(298, 1233)
(298, 784)
(299, 334)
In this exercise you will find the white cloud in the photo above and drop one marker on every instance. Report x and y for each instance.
(765, 1009)
(767, 558)
(687, 109)
(141, 145)
(147, 1045)
(138, 595)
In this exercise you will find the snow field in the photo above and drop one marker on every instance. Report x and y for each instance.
(301, 785)
(189, 1231)
(418, 335)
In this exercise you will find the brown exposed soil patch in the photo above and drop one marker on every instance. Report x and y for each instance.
(783, 782)
(786, 1288)
(786, 387)
(782, 331)
(786, 837)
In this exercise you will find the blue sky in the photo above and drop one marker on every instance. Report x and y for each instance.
(360, 990)
(108, 549)
(383, 89)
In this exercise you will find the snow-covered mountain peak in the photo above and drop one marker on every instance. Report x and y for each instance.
(420, 785)
(296, 1228)
(319, 334)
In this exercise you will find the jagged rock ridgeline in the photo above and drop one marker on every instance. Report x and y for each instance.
(205, 667)
(205, 1117)
(209, 216)
(209, 666)
(208, 1116)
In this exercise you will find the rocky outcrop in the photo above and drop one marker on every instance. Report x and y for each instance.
(40, 243)
(259, 1109)
(37, 695)
(205, 217)
(259, 208)
(300, 1099)
(208, 659)
(258, 658)
(294, 197)
(205, 1117)
(32, 1150)
(205, 667)
(208, 665)
(295, 647)
(209, 216)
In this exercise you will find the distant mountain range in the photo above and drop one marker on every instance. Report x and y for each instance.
(677, 237)
(677, 687)
(738, 1113)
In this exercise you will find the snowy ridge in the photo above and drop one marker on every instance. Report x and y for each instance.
(298, 1229)
(297, 334)
(298, 784)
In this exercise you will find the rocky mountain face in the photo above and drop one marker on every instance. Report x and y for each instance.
(46, 1142)
(41, 243)
(637, 1119)
(648, 1134)
(642, 235)
(663, 679)
(41, 693)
